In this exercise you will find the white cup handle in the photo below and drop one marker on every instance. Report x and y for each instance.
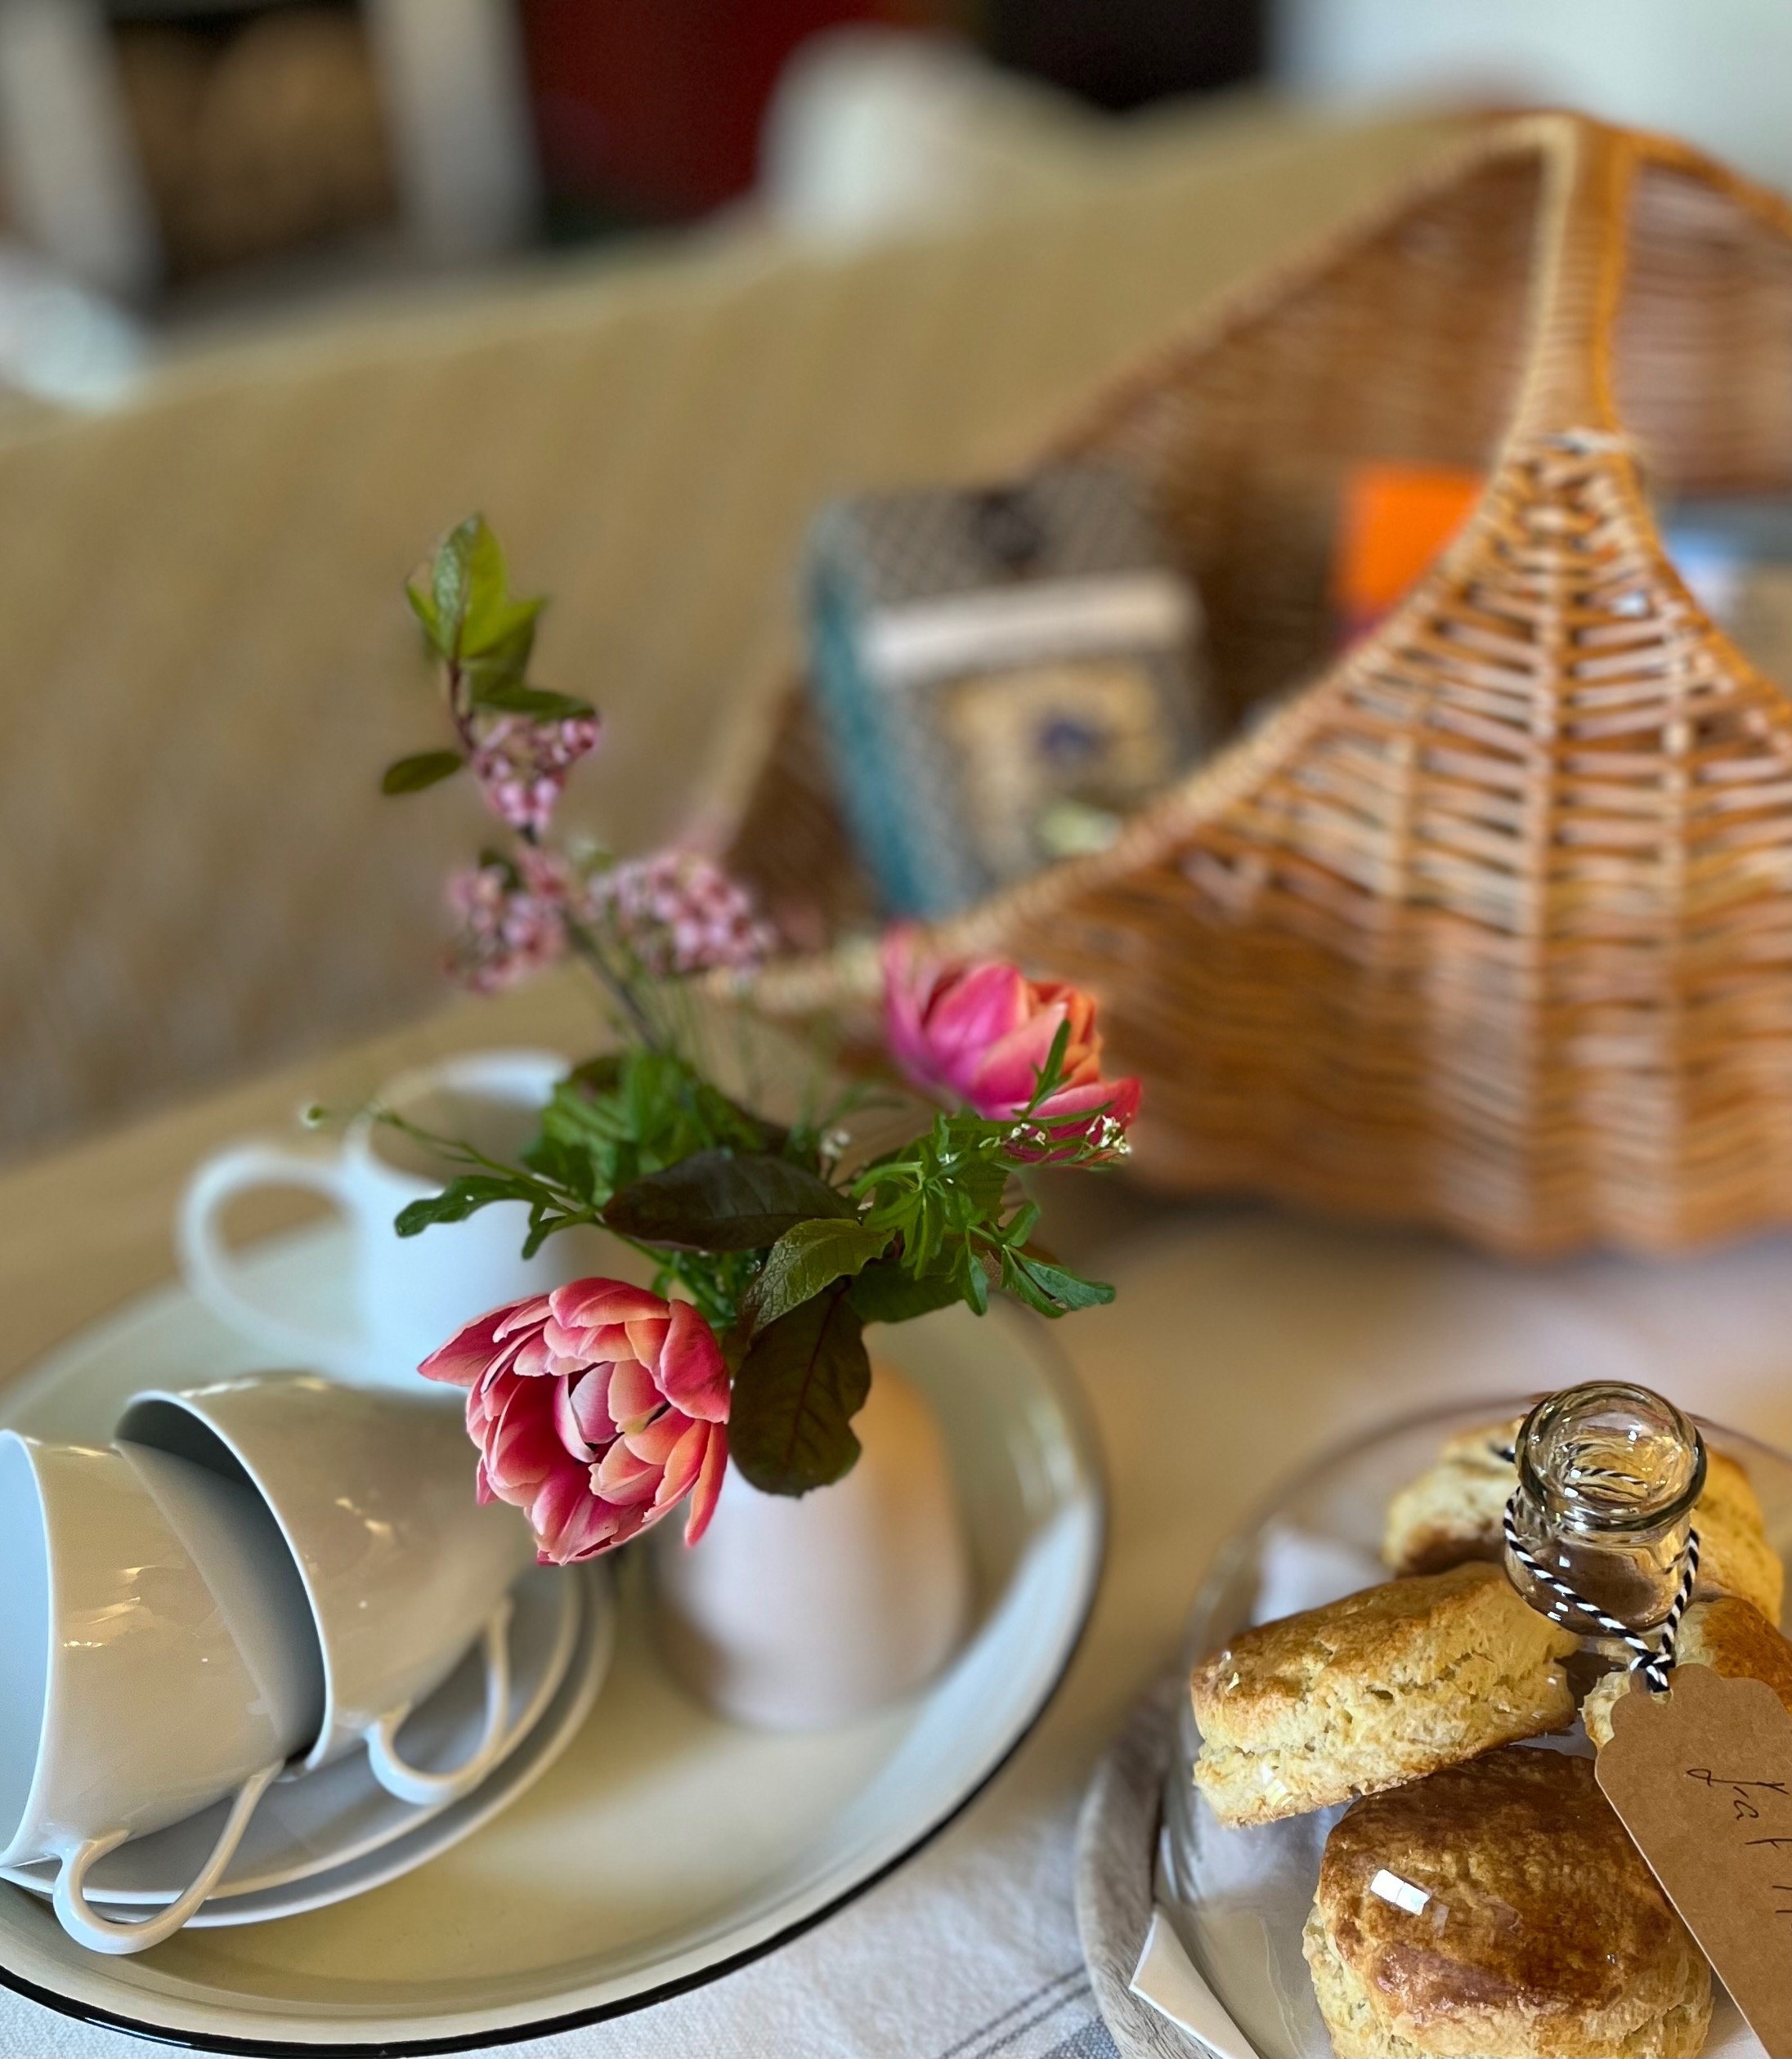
(100, 1933)
(212, 1273)
(409, 1783)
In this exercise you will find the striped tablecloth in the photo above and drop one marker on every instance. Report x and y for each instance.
(1240, 1344)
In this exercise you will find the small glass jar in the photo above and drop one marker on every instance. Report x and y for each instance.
(1607, 1477)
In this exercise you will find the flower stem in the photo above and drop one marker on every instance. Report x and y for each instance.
(614, 984)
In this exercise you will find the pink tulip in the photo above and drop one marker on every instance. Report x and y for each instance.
(981, 1031)
(596, 1409)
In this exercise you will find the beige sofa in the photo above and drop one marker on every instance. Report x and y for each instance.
(206, 659)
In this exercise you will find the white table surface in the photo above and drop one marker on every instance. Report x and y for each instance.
(1242, 1343)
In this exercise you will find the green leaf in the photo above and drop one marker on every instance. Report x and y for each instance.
(976, 1282)
(883, 1292)
(541, 704)
(1050, 1289)
(717, 1200)
(450, 579)
(803, 1379)
(542, 1224)
(500, 633)
(503, 666)
(630, 1114)
(1050, 1075)
(497, 625)
(470, 613)
(599, 1075)
(808, 1257)
(458, 1200)
(424, 768)
(1070, 1289)
(423, 605)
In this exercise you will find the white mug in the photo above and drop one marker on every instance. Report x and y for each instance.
(158, 1655)
(402, 1569)
(412, 1293)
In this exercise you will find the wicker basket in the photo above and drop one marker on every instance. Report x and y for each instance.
(1489, 925)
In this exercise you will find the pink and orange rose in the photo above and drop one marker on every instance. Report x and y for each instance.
(980, 1030)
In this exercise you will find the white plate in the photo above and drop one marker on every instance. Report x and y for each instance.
(1238, 1900)
(324, 1819)
(587, 1660)
(665, 1846)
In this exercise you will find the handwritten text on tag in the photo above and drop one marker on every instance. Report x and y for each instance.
(1702, 1778)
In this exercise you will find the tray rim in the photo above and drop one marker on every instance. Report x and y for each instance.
(1066, 1391)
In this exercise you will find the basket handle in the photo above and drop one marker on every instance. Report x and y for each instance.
(1588, 169)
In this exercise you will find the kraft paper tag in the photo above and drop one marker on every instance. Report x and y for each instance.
(1702, 1779)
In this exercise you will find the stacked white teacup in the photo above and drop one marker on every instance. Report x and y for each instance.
(259, 1576)
(255, 1578)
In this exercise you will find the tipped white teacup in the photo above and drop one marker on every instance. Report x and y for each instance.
(401, 1568)
(414, 1293)
(158, 1656)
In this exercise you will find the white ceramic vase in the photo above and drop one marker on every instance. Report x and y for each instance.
(796, 1613)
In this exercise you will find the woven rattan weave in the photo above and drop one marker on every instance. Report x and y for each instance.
(1488, 923)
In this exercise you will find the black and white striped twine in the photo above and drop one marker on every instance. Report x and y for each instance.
(1654, 1661)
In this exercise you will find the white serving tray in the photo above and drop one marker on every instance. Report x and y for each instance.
(666, 1846)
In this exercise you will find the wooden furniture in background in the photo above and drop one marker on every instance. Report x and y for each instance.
(272, 138)
(146, 140)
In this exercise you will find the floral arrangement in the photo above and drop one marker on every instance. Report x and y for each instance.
(600, 1408)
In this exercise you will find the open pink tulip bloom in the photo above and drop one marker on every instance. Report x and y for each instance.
(981, 1031)
(596, 1409)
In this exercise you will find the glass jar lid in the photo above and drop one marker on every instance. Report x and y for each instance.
(1609, 1459)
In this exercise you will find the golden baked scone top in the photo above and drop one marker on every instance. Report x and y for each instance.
(1730, 1636)
(1727, 1634)
(1452, 1512)
(1377, 1635)
(1541, 1931)
(1377, 1688)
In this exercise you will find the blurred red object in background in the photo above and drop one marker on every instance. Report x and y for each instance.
(649, 109)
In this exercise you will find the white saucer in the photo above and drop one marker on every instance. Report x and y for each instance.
(325, 1820)
(434, 1830)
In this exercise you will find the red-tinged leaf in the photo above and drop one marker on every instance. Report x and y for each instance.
(803, 1379)
(723, 1201)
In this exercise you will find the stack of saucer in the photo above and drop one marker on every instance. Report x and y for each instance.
(264, 1651)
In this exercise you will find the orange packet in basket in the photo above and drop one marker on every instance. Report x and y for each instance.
(1393, 521)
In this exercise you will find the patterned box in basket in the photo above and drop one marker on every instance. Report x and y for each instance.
(1003, 674)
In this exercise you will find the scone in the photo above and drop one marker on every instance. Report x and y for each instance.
(1381, 1687)
(1453, 1511)
(1726, 1634)
(1497, 1911)
(1735, 1557)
